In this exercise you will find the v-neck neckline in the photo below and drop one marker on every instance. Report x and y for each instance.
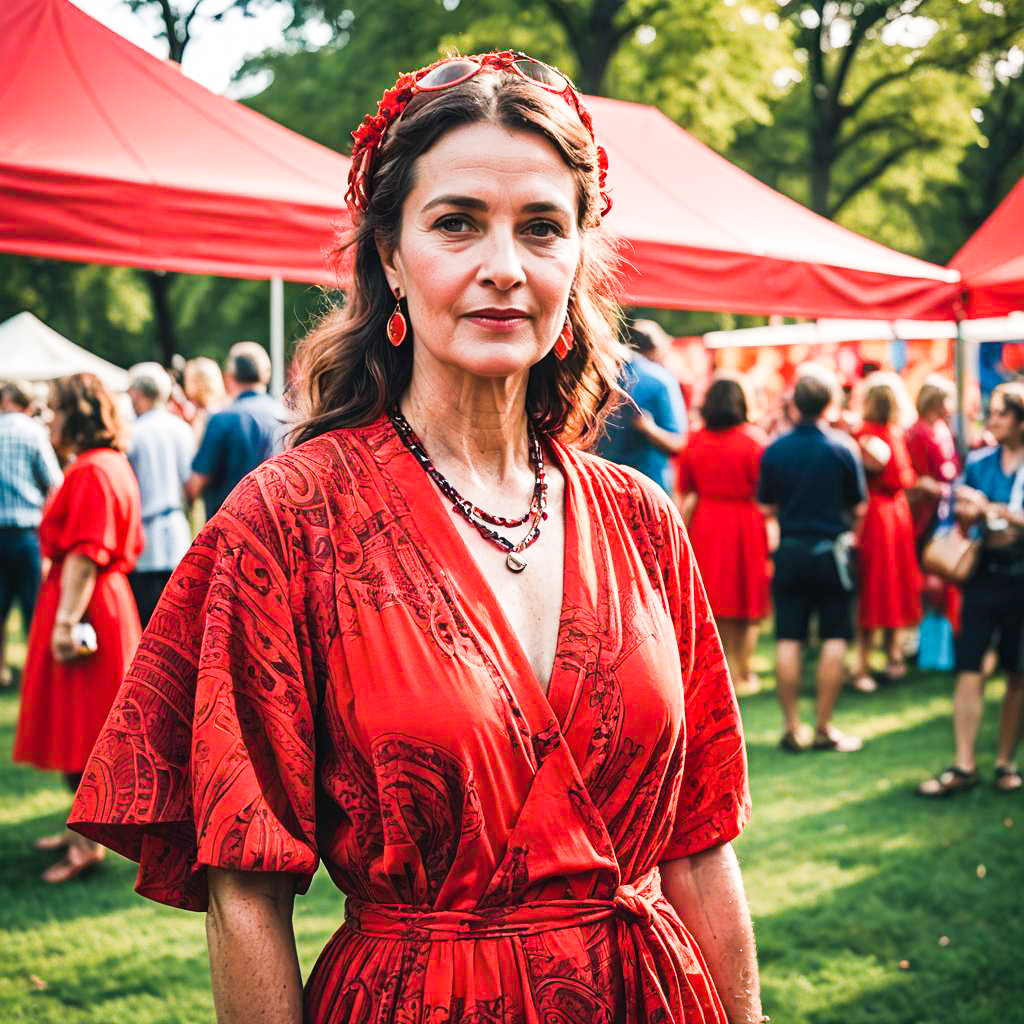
(501, 636)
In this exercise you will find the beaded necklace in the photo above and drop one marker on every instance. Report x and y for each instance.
(477, 517)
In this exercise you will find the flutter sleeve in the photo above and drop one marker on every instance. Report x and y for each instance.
(88, 509)
(714, 799)
(207, 757)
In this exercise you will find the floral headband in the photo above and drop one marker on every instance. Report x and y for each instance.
(443, 74)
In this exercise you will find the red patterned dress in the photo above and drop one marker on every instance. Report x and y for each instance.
(890, 581)
(328, 676)
(727, 531)
(95, 513)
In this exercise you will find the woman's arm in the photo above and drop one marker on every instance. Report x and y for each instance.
(706, 891)
(254, 967)
(77, 582)
(687, 506)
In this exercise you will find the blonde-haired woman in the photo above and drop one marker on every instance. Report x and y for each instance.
(890, 581)
(204, 388)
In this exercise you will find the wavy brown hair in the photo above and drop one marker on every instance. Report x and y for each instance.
(91, 419)
(727, 402)
(347, 373)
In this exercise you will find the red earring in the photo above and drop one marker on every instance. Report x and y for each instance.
(564, 343)
(397, 327)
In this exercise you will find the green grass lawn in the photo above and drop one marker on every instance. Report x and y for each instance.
(870, 905)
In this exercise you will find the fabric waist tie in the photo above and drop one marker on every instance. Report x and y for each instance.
(652, 975)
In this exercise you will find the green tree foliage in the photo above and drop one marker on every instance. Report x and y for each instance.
(989, 169)
(707, 64)
(880, 114)
(104, 309)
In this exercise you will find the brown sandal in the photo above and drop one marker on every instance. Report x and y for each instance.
(1007, 779)
(837, 741)
(76, 862)
(790, 742)
(51, 844)
(947, 783)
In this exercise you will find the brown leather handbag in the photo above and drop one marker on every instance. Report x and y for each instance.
(952, 555)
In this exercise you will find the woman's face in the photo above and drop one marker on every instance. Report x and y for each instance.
(1002, 422)
(488, 251)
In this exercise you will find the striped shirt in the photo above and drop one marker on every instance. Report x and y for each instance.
(28, 470)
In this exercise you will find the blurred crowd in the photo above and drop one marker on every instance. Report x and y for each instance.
(824, 506)
(818, 508)
(100, 495)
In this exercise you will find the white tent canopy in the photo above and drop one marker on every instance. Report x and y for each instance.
(1003, 328)
(29, 350)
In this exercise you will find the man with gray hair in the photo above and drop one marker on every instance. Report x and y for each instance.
(161, 453)
(812, 480)
(238, 438)
(28, 473)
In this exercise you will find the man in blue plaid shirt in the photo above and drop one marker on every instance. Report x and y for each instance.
(28, 472)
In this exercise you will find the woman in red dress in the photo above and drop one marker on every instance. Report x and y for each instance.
(933, 454)
(92, 535)
(509, 736)
(718, 474)
(890, 581)
(936, 462)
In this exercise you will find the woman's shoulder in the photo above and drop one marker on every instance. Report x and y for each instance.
(107, 465)
(752, 435)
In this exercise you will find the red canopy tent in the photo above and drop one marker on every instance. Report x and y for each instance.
(991, 261)
(706, 235)
(109, 155)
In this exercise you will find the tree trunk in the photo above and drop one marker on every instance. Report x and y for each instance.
(594, 53)
(821, 166)
(159, 289)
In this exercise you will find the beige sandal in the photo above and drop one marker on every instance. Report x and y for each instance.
(76, 862)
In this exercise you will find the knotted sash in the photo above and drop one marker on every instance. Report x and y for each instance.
(650, 938)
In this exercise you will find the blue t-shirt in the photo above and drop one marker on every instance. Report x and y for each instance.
(654, 390)
(236, 441)
(984, 472)
(815, 478)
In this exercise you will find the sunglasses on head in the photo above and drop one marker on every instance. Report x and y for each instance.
(456, 70)
(445, 74)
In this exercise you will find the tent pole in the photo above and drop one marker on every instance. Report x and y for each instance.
(960, 377)
(277, 336)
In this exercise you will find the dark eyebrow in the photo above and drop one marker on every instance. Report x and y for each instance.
(469, 203)
(464, 202)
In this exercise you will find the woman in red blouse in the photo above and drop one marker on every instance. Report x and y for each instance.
(436, 645)
(718, 475)
(92, 534)
(933, 454)
(890, 581)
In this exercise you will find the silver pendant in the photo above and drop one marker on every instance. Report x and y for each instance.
(515, 563)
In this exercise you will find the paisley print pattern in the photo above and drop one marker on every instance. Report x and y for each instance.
(329, 677)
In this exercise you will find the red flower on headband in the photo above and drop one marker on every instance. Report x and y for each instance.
(368, 138)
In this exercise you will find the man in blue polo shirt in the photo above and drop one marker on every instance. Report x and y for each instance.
(238, 438)
(650, 427)
(812, 480)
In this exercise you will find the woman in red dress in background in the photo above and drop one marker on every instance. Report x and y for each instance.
(92, 534)
(718, 475)
(890, 581)
(933, 454)
(936, 462)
